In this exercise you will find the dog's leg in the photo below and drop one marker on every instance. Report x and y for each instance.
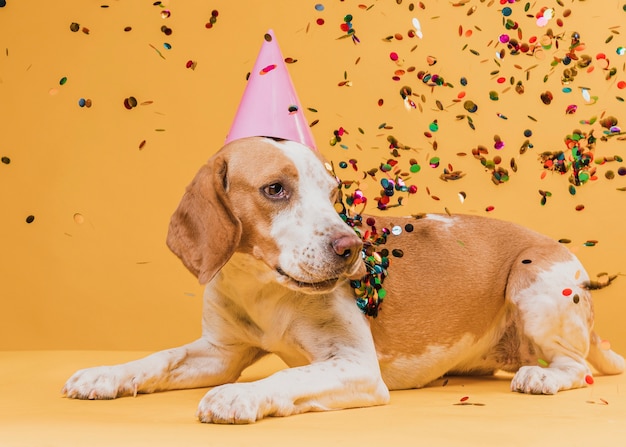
(604, 359)
(328, 385)
(197, 364)
(555, 317)
(343, 373)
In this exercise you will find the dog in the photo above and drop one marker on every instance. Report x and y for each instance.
(468, 295)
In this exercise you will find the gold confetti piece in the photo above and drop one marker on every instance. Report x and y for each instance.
(157, 50)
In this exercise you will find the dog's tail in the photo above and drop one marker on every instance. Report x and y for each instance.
(603, 359)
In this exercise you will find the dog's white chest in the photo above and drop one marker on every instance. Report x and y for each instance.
(260, 313)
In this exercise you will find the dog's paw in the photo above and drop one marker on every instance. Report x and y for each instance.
(236, 403)
(102, 382)
(535, 380)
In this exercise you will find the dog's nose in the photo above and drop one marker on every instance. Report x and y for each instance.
(347, 246)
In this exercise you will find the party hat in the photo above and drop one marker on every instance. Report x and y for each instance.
(269, 106)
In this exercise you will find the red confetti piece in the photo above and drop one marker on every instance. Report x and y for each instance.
(589, 379)
(267, 69)
(567, 292)
(464, 398)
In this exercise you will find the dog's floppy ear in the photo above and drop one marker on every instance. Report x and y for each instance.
(204, 233)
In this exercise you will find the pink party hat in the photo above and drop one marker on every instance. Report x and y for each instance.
(269, 106)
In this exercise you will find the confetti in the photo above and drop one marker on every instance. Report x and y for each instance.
(418, 27)
(130, 102)
(601, 402)
(157, 51)
(267, 69)
(464, 401)
(213, 19)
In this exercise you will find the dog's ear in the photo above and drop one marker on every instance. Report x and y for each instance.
(204, 233)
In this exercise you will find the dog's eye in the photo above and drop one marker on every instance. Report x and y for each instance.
(275, 191)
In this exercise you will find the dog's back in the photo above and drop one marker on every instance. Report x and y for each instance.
(468, 294)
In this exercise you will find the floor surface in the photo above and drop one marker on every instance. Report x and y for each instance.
(33, 413)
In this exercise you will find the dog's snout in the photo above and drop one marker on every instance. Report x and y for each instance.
(346, 246)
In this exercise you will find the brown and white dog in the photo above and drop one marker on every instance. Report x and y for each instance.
(471, 295)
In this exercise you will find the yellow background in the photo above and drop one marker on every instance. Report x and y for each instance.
(92, 270)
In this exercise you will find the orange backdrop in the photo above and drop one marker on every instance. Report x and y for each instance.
(504, 81)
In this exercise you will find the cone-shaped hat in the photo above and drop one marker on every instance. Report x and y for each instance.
(269, 106)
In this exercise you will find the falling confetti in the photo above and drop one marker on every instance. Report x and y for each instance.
(130, 102)
(519, 93)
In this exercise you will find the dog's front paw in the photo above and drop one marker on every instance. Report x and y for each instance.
(535, 380)
(237, 403)
(102, 382)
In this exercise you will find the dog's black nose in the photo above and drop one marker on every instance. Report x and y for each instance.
(346, 246)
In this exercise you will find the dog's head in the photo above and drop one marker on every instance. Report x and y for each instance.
(273, 200)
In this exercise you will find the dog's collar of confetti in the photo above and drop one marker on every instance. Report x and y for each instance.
(369, 289)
